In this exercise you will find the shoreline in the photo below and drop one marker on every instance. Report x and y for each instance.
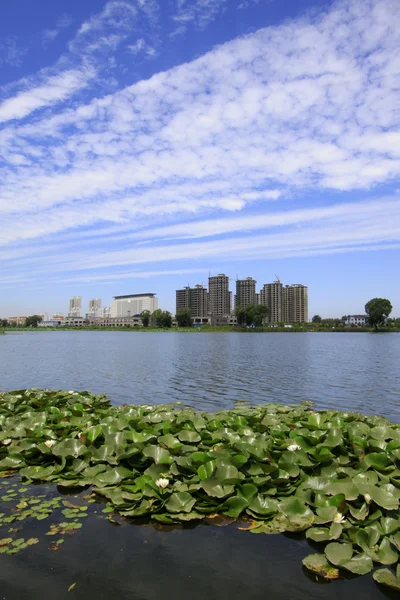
(204, 329)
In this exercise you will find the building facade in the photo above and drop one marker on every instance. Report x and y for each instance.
(95, 309)
(271, 296)
(356, 320)
(295, 303)
(245, 292)
(219, 298)
(132, 304)
(75, 307)
(193, 299)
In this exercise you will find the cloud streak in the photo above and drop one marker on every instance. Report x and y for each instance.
(212, 157)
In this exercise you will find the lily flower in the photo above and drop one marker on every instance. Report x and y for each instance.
(368, 498)
(162, 483)
(294, 447)
(50, 443)
(339, 518)
(6, 441)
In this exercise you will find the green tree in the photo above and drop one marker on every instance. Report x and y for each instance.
(155, 317)
(145, 317)
(240, 315)
(254, 314)
(3, 323)
(161, 318)
(316, 319)
(184, 317)
(32, 321)
(378, 309)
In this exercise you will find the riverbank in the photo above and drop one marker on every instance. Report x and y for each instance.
(208, 329)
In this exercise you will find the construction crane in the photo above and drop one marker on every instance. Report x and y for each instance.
(277, 278)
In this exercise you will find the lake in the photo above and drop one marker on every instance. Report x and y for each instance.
(348, 371)
(209, 371)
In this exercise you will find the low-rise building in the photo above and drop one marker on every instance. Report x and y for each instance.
(356, 320)
(18, 321)
(117, 322)
(51, 323)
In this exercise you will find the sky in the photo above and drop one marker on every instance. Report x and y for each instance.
(146, 144)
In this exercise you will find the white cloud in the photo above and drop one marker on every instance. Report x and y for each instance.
(307, 107)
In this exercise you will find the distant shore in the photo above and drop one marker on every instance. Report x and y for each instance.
(206, 329)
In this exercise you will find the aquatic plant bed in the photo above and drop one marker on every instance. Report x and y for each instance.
(272, 468)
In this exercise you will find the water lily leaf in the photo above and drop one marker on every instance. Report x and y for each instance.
(213, 487)
(206, 471)
(247, 491)
(180, 502)
(388, 578)
(94, 432)
(338, 554)
(389, 525)
(386, 554)
(326, 514)
(69, 447)
(38, 472)
(395, 540)
(158, 454)
(170, 441)
(317, 563)
(343, 486)
(360, 564)
(386, 496)
(227, 473)
(188, 436)
(112, 476)
(263, 506)
(234, 506)
(378, 460)
(359, 513)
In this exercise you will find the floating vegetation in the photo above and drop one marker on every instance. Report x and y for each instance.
(273, 468)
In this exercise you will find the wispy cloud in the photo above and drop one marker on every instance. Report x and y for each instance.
(11, 53)
(196, 157)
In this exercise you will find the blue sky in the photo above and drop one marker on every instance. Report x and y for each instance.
(146, 143)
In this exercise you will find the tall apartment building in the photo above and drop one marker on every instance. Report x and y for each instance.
(245, 292)
(295, 301)
(219, 298)
(193, 299)
(75, 306)
(271, 295)
(133, 304)
(95, 310)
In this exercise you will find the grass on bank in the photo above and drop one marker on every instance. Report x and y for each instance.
(213, 329)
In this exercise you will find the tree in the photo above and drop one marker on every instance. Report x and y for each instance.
(240, 315)
(378, 309)
(316, 319)
(258, 312)
(32, 321)
(184, 317)
(161, 318)
(145, 317)
(3, 323)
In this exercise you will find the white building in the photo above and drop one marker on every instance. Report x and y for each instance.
(133, 304)
(95, 309)
(75, 306)
(355, 320)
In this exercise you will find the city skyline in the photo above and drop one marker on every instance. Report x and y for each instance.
(143, 144)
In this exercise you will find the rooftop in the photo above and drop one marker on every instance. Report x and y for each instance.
(150, 295)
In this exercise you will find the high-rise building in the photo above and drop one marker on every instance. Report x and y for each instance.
(219, 299)
(193, 299)
(295, 303)
(95, 309)
(133, 304)
(271, 295)
(75, 306)
(245, 292)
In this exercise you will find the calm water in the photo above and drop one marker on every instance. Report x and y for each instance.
(209, 371)
(356, 371)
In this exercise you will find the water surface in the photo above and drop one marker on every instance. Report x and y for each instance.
(349, 371)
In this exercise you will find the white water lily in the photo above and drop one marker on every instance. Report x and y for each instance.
(162, 483)
(50, 443)
(368, 498)
(339, 518)
(294, 447)
(6, 441)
